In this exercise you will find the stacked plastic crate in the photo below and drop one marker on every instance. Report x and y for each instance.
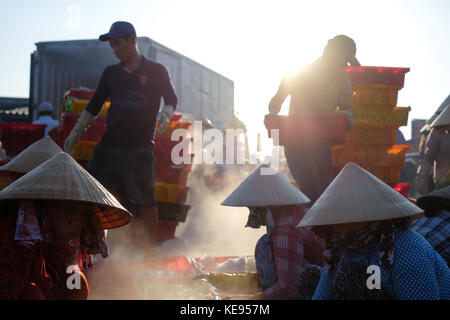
(371, 141)
(170, 178)
(171, 188)
(76, 101)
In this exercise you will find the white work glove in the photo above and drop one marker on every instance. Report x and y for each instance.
(78, 131)
(163, 118)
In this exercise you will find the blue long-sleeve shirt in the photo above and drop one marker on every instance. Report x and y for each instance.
(418, 271)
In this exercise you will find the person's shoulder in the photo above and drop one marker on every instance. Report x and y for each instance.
(153, 65)
(410, 243)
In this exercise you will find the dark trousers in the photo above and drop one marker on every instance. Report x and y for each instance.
(312, 169)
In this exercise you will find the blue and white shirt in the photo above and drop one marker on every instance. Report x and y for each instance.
(418, 271)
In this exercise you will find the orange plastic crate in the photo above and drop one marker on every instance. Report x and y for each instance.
(362, 135)
(376, 156)
(396, 117)
(83, 150)
(377, 75)
(367, 96)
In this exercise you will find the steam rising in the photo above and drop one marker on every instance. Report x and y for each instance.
(210, 230)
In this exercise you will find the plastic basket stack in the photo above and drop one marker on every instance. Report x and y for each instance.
(76, 101)
(171, 190)
(371, 141)
(170, 178)
(17, 136)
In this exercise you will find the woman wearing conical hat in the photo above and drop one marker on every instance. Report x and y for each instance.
(58, 212)
(281, 253)
(36, 154)
(366, 222)
(437, 154)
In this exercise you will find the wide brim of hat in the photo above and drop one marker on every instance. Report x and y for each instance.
(62, 178)
(356, 195)
(442, 119)
(33, 156)
(260, 190)
(435, 200)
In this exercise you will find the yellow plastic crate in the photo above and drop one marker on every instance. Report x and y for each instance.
(363, 135)
(84, 149)
(396, 117)
(375, 156)
(173, 125)
(171, 193)
(78, 106)
(378, 95)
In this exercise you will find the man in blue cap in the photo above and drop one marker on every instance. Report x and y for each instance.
(123, 160)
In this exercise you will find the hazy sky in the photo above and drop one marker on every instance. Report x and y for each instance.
(254, 43)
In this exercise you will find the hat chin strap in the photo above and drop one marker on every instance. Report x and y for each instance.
(270, 223)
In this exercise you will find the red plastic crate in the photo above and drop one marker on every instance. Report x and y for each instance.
(403, 188)
(178, 264)
(175, 117)
(17, 136)
(81, 93)
(93, 133)
(312, 129)
(377, 75)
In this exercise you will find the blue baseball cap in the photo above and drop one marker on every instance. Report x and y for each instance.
(118, 29)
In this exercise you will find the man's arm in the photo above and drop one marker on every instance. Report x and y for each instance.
(345, 100)
(101, 94)
(345, 96)
(167, 89)
(279, 97)
(170, 99)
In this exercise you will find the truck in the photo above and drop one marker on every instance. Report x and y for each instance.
(58, 66)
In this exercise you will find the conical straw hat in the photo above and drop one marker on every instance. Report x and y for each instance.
(435, 200)
(62, 178)
(356, 195)
(259, 190)
(443, 119)
(33, 156)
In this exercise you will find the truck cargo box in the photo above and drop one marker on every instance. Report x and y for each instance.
(58, 66)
